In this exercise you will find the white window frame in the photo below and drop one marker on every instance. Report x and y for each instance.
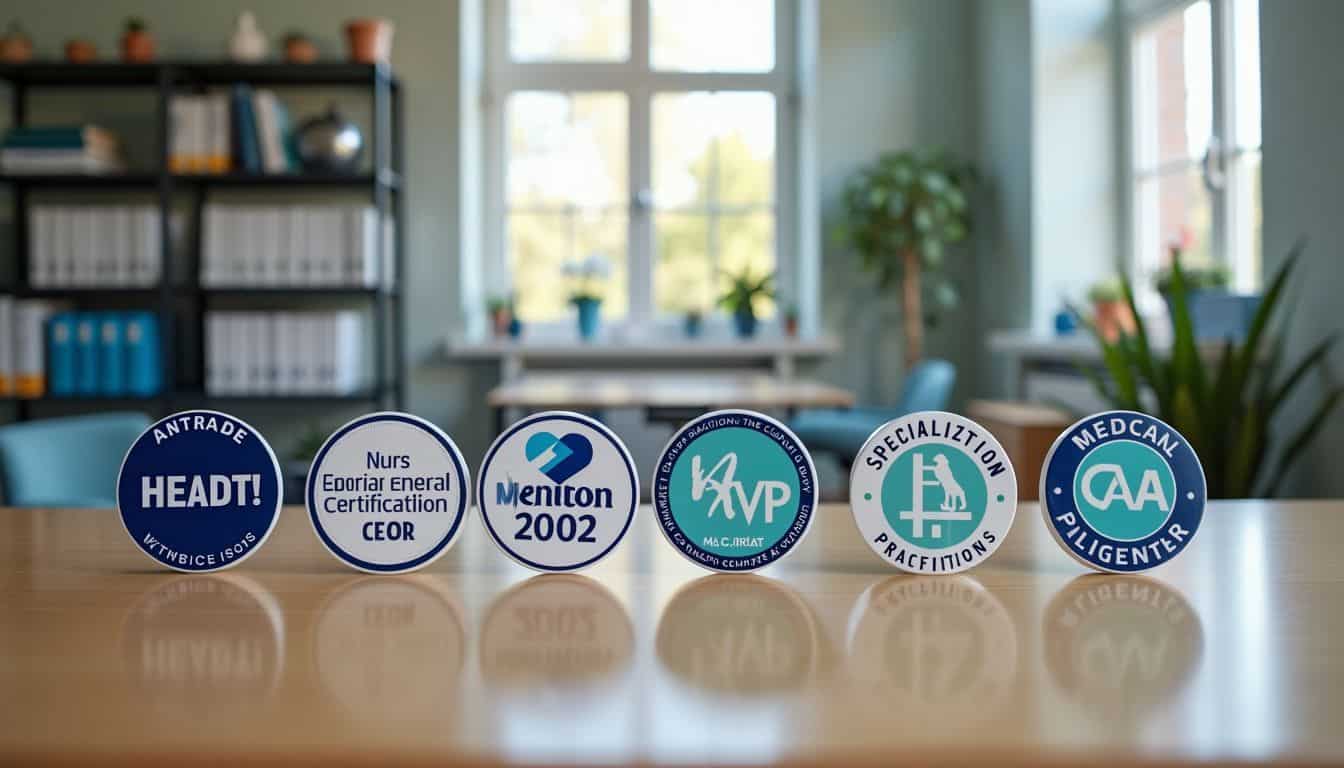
(792, 82)
(1229, 201)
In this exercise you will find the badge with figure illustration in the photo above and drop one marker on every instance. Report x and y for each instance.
(557, 491)
(1122, 491)
(933, 492)
(734, 491)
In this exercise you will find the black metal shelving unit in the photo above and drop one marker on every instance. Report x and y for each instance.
(382, 183)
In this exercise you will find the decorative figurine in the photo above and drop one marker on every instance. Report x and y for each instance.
(329, 143)
(137, 42)
(15, 47)
(248, 42)
(80, 51)
(299, 49)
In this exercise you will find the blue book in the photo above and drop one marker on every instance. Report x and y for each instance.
(61, 355)
(111, 353)
(143, 373)
(246, 147)
(87, 377)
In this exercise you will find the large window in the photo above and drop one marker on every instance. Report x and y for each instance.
(1195, 119)
(654, 134)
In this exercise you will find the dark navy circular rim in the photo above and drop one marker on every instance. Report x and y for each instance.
(667, 520)
(385, 567)
(1063, 464)
(596, 426)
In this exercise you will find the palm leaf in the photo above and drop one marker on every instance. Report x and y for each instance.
(1304, 436)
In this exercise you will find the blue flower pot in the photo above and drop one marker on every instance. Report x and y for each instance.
(515, 328)
(694, 324)
(745, 323)
(589, 314)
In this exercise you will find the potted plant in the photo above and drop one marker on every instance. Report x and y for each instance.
(744, 292)
(902, 214)
(1110, 314)
(693, 323)
(791, 321)
(299, 49)
(15, 47)
(369, 40)
(1215, 311)
(80, 51)
(137, 42)
(585, 293)
(1229, 408)
(501, 314)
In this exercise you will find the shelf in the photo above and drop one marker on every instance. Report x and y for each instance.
(277, 181)
(353, 397)
(86, 292)
(85, 180)
(106, 73)
(351, 291)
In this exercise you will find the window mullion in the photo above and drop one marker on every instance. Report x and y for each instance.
(1218, 196)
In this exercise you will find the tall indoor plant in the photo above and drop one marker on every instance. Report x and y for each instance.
(1229, 405)
(901, 214)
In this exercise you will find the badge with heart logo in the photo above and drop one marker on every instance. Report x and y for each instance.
(557, 491)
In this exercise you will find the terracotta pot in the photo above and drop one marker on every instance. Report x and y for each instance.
(1112, 319)
(15, 46)
(369, 40)
(300, 50)
(80, 51)
(791, 326)
(500, 320)
(137, 46)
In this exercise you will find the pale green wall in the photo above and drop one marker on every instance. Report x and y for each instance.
(1302, 78)
(892, 74)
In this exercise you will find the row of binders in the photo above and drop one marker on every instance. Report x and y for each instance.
(103, 354)
(242, 130)
(94, 245)
(277, 353)
(326, 245)
(23, 325)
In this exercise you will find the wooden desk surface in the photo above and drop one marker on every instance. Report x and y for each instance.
(1231, 653)
(666, 390)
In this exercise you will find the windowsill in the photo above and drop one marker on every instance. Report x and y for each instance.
(763, 347)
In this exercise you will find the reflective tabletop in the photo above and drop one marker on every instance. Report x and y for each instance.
(1229, 653)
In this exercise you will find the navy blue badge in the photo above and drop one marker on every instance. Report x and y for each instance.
(199, 491)
(1122, 491)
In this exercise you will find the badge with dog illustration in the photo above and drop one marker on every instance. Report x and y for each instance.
(557, 491)
(1122, 491)
(933, 492)
(734, 491)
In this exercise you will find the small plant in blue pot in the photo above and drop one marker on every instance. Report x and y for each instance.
(745, 296)
(587, 279)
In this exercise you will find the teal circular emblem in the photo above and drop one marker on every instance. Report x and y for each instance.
(734, 490)
(933, 492)
(1114, 506)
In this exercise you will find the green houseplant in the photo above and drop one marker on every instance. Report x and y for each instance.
(1228, 407)
(745, 290)
(901, 215)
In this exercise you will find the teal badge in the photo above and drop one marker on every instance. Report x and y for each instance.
(734, 491)
(933, 492)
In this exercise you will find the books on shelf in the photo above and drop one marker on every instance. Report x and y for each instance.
(59, 149)
(243, 130)
(326, 245)
(108, 354)
(279, 353)
(105, 246)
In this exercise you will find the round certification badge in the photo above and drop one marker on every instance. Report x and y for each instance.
(387, 493)
(1122, 491)
(933, 492)
(199, 491)
(557, 491)
(734, 491)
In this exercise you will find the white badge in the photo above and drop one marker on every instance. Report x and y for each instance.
(387, 493)
(557, 491)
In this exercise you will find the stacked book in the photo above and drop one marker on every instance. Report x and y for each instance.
(284, 353)
(108, 246)
(59, 149)
(327, 245)
(243, 130)
(103, 354)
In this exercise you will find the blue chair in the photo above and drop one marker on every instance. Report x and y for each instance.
(928, 387)
(66, 462)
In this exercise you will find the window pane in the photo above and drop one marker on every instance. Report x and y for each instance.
(1246, 221)
(566, 149)
(1246, 72)
(747, 243)
(712, 35)
(683, 277)
(539, 245)
(569, 30)
(1173, 87)
(713, 149)
(1172, 210)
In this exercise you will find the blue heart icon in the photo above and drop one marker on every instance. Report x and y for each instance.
(559, 458)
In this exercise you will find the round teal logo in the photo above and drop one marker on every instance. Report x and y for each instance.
(934, 495)
(1124, 490)
(734, 490)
